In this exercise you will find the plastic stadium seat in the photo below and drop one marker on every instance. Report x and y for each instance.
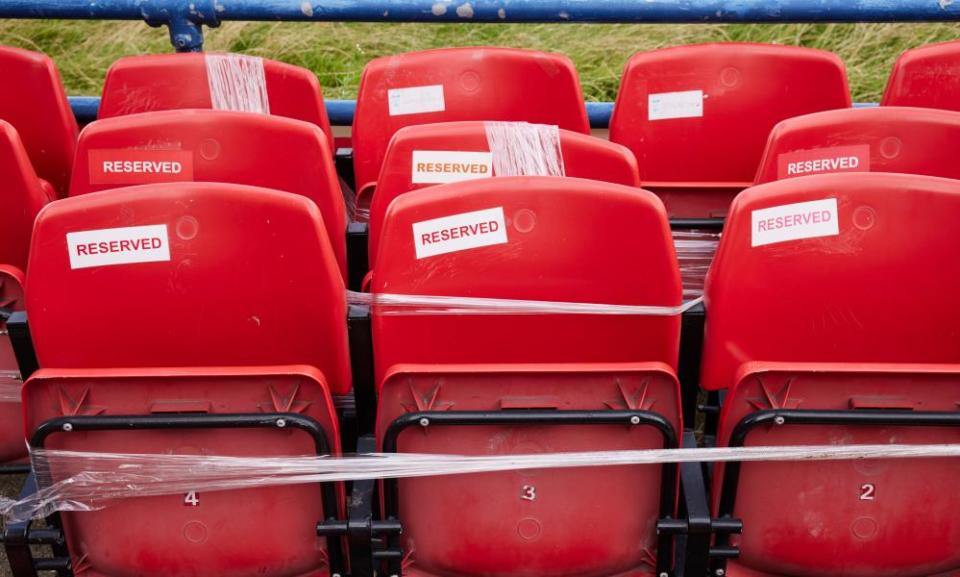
(926, 77)
(214, 146)
(697, 117)
(827, 295)
(454, 84)
(546, 522)
(127, 282)
(267, 531)
(176, 81)
(582, 156)
(883, 139)
(189, 274)
(35, 103)
(12, 447)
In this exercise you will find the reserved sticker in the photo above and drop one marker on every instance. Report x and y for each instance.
(127, 166)
(794, 221)
(438, 166)
(415, 100)
(854, 158)
(110, 246)
(666, 105)
(459, 232)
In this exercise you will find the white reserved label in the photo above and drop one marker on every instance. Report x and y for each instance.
(415, 100)
(687, 104)
(111, 246)
(794, 221)
(459, 232)
(436, 166)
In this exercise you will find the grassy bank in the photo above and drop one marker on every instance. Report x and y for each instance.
(337, 52)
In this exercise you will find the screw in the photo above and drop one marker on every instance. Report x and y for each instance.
(634, 420)
(67, 427)
(719, 572)
(335, 575)
(281, 423)
(424, 422)
(779, 420)
(664, 574)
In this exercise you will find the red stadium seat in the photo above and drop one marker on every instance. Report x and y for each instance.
(190, 274)
(697, 117)
(884, 139)
(242, 83)
(926, 77)
(580, 156)
(268, 531)
(214, 146)
(521, 366)
(826, 319)
(454, 84)
(12, 447)
(35, 103)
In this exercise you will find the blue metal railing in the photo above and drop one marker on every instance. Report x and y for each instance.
(186, 18)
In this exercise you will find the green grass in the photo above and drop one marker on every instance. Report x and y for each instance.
(337, 52)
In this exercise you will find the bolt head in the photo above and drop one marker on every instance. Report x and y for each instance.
(67, 427)
(424, 422)
(634, 420)
(281, 423)
(779, 421)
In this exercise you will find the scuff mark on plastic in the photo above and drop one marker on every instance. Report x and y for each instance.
(944, 4)
(564, 15)
(307, 9)
(439, 8)
(501, 13)
(465, 10)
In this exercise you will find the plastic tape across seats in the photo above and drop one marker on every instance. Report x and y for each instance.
(214, 146)
(187, 274)
(453, 84)
(697, 117)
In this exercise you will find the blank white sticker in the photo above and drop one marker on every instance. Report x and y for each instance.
(112, 246)
(415, 100)
(438, 166)
(459, 232)
(665, 105)
(794, 221)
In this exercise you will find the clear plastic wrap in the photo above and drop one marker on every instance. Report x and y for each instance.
(79, 481)
(237, 82)
(524, 149)
(419, 305)
(695, 250)
(10, 385)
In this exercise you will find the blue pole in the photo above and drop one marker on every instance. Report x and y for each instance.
(341, 111)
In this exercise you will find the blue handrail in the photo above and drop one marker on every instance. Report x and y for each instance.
(185, 18)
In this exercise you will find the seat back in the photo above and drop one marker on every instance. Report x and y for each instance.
(429, 154)
(214, 146)
(547, 522)
(834, 268)
(192, 274)
(197, 531)
(22, 197)
(697, 117)
(453, 84)
(35, 103)
(928, 77)
(527, 238)
(210, 80)
(883, 139)
(12, 447)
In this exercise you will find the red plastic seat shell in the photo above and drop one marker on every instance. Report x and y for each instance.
(850, 518)
(882, 139)
(928, 76)
(867, 294)
(698, 163)
(262, 530)
(35, 103)
(177, 81)
(478, 84)
(218, 146)
(583, 157)
(23, 196)
(251, 280)
(586, 521)
(555, 251)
